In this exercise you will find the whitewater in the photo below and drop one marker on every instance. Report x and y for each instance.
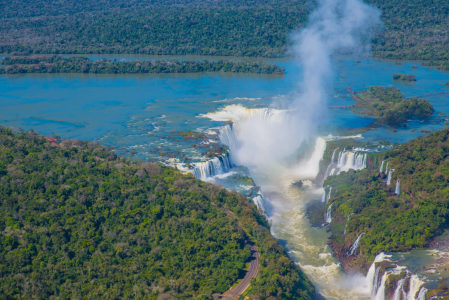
(285, 206)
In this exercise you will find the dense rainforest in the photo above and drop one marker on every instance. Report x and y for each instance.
(77, 221)
(412, 29)
(389, 106)
(391, 217)
(59, 64)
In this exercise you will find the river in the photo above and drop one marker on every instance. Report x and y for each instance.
(136, 112)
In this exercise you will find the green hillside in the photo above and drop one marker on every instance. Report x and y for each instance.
(76, 221)
(391, 222)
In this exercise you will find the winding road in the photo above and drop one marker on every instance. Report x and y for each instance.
(252, 272)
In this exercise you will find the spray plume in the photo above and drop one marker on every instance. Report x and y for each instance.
(267, 138)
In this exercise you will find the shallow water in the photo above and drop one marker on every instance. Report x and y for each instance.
(133, 112)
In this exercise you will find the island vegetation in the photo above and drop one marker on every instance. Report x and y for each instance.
(59, 64)
(389, 106)
(404, 77)
(78, 221)
(412, 29)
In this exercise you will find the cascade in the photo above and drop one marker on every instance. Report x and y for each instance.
(333, 156)
(381, 166)
(329, 195)
(323, 198)
(389, 176)
(326, 174)
(227, 136)
(380, 295)
(356, 245)
(397, 190)
(415, 285)
(399, 293)
(386, 168)
(422, 294)
(332, 172)
(328, 217)
(351, 160)
(372, 270)
(376, 283)
(259, 201)
(213, 167)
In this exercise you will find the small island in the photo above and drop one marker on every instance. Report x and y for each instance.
(76, 64)
(389, 106)
(404, 77)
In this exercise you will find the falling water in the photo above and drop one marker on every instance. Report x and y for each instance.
(376, 283)
(415, 285)
(380, 293)
(328, 217)
(370, 276)
(381, 166)
(356, 245)
(259, 201)
(422, 294)
(399, 292)
(323, 197)
(227, 137)
(397, 190)
(389, 176)
(213, 167)
(386, 168)
(326, 174)
(333, 156)
(351, 160)
(329, 195)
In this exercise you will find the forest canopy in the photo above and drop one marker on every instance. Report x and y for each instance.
(412, 29)
(77, 221)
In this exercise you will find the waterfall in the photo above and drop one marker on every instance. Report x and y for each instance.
(329, 195)
(389, 176)
(399, 293)
(350, 160)
(372, 270)
(356, 245)
(386, 168)
(326, 174)
(328, 217)
(381, 166)
(227, 137)
(323, 198)
(422, 294)
(332, 172)
(259, 201)
(415, 285)
(380, 293)
(333, 156)
(213, 167)
(376, 282)
(397, 190)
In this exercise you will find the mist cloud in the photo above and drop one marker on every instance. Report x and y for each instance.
(265, 139)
